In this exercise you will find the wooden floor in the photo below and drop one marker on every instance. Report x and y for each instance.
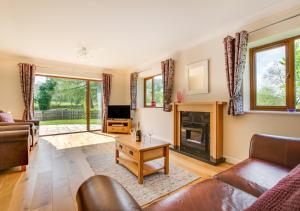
(52, 178)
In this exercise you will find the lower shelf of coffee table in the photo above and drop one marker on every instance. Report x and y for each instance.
(149, 168)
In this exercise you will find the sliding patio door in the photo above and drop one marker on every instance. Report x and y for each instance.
(65, 105)
(95, 89)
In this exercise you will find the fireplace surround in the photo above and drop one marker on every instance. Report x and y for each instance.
(198, 130)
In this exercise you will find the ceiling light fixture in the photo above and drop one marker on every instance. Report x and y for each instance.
(83, 52)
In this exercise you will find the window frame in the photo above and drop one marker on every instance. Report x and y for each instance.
(145, 91)
(87, 97)
(290, 74)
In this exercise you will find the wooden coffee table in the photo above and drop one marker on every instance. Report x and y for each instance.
(140, 155)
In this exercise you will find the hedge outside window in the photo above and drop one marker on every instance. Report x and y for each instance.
(275, 76)
(153, 91)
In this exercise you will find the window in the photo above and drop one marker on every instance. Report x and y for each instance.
(275, 75)
(153, 91)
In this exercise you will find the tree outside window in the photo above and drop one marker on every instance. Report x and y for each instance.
(153, 91)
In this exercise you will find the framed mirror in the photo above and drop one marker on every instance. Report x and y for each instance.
(197, 77)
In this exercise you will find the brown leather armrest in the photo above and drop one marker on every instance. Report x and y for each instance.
(277, 149)
(35, 122)
(31, 122)
(104, 193)
(14, 127)
(16, 123)
(14, 136)
(7, 123)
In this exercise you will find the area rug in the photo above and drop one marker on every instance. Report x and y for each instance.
(154, 186)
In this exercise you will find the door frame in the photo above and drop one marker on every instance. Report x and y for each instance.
(87, 98)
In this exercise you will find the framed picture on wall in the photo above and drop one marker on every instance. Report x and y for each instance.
(197, 77)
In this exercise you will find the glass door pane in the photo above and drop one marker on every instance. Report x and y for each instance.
(60, 105)
(148, 87)
(95, 105)
(158, 90)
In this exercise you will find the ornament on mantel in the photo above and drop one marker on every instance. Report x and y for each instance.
(180, 96)
(153, 104)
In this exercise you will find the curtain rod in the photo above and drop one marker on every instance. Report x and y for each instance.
(261, 28)
(40, 66)
(65, 74)
(272, 24)
(142, 71)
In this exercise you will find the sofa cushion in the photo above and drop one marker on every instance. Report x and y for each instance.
(284, 196)
(209, 195)
(253, 175)
(6, 117)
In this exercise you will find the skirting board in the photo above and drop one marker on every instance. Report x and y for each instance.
(162, 139)
(232, 160)
(228, 159)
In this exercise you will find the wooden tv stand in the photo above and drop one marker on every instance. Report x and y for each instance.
(118, 125)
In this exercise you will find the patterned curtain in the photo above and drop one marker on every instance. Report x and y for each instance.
(235, 59)
(168, 71)
(27, 83)
(133, 90)
(106, 85)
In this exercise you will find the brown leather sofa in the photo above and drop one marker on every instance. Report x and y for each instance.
(34, 128)
(270, 159)
(14, 145)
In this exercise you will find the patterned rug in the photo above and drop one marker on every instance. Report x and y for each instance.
(155, 185)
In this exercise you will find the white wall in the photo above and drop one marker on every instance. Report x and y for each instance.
(237, 130)
(10, 89)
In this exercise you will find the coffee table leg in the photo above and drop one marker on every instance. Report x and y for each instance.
(166, 163)
(140, 168)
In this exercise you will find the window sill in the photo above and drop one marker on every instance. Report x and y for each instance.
(272, 112)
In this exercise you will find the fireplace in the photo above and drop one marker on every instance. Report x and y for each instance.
(198, 130)
(195, 134)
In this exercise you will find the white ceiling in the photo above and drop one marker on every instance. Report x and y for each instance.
(119, 34)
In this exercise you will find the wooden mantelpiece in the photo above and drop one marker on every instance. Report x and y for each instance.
(215, 109)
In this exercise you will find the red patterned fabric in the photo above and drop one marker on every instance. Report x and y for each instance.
(27, 83)
(6, 117)
(235, 59)
(106, 84)
(168, 72)
(133, 90)
(285, 196)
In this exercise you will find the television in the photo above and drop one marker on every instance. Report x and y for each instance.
(118, 112)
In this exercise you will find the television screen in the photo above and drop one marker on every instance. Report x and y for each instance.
(118, 112)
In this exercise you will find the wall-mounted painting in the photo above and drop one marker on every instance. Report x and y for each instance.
(197, 77)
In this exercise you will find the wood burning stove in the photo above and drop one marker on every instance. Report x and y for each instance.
(195, 130)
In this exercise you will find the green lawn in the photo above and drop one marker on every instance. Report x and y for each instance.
(69, 121)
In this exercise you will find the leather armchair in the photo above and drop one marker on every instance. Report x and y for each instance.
(14, 141)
